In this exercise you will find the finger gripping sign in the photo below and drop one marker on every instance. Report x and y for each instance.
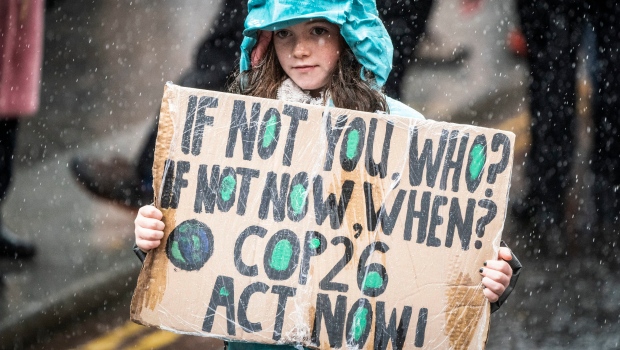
(323, 227)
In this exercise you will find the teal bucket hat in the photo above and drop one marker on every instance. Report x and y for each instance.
(358, 20)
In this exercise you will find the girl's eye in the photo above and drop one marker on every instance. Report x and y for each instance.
(282, 33)
(318, 31)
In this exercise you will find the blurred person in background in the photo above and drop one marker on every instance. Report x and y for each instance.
(553, 33)
(130, 182)
(21, 52)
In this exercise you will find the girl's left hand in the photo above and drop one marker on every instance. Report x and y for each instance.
(496, 275)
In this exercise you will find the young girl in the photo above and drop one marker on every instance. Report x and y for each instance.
(333, 53)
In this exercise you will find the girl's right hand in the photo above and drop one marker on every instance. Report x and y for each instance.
(149, 228)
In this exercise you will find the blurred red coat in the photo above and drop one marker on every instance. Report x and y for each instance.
(21, 52)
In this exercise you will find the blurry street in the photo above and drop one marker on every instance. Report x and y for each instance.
(105, 66)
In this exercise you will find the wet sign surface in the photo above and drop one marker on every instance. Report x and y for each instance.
(294, 224)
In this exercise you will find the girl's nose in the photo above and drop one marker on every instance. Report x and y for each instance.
(301, 49)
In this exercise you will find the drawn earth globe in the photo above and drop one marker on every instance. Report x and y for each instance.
(190, 245)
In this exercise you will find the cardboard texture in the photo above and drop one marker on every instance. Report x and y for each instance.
(296, 224)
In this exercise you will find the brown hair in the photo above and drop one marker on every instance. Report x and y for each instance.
(346, 87)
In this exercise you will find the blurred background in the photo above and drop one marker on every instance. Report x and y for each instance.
(103, 70)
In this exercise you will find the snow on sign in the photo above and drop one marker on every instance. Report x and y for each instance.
(330, 228)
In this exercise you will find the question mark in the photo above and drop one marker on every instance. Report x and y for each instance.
(484, 221)
(494, 169)
(358, 229)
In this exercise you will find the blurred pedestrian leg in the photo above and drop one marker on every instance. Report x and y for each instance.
(606, 120)
(11, 246)
(21, 50)
(553, 31)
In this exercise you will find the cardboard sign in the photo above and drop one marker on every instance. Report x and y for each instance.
(295, 224)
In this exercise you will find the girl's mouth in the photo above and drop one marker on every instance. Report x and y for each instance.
(304, 69)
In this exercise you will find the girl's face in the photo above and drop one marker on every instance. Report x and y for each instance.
(308, 52)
